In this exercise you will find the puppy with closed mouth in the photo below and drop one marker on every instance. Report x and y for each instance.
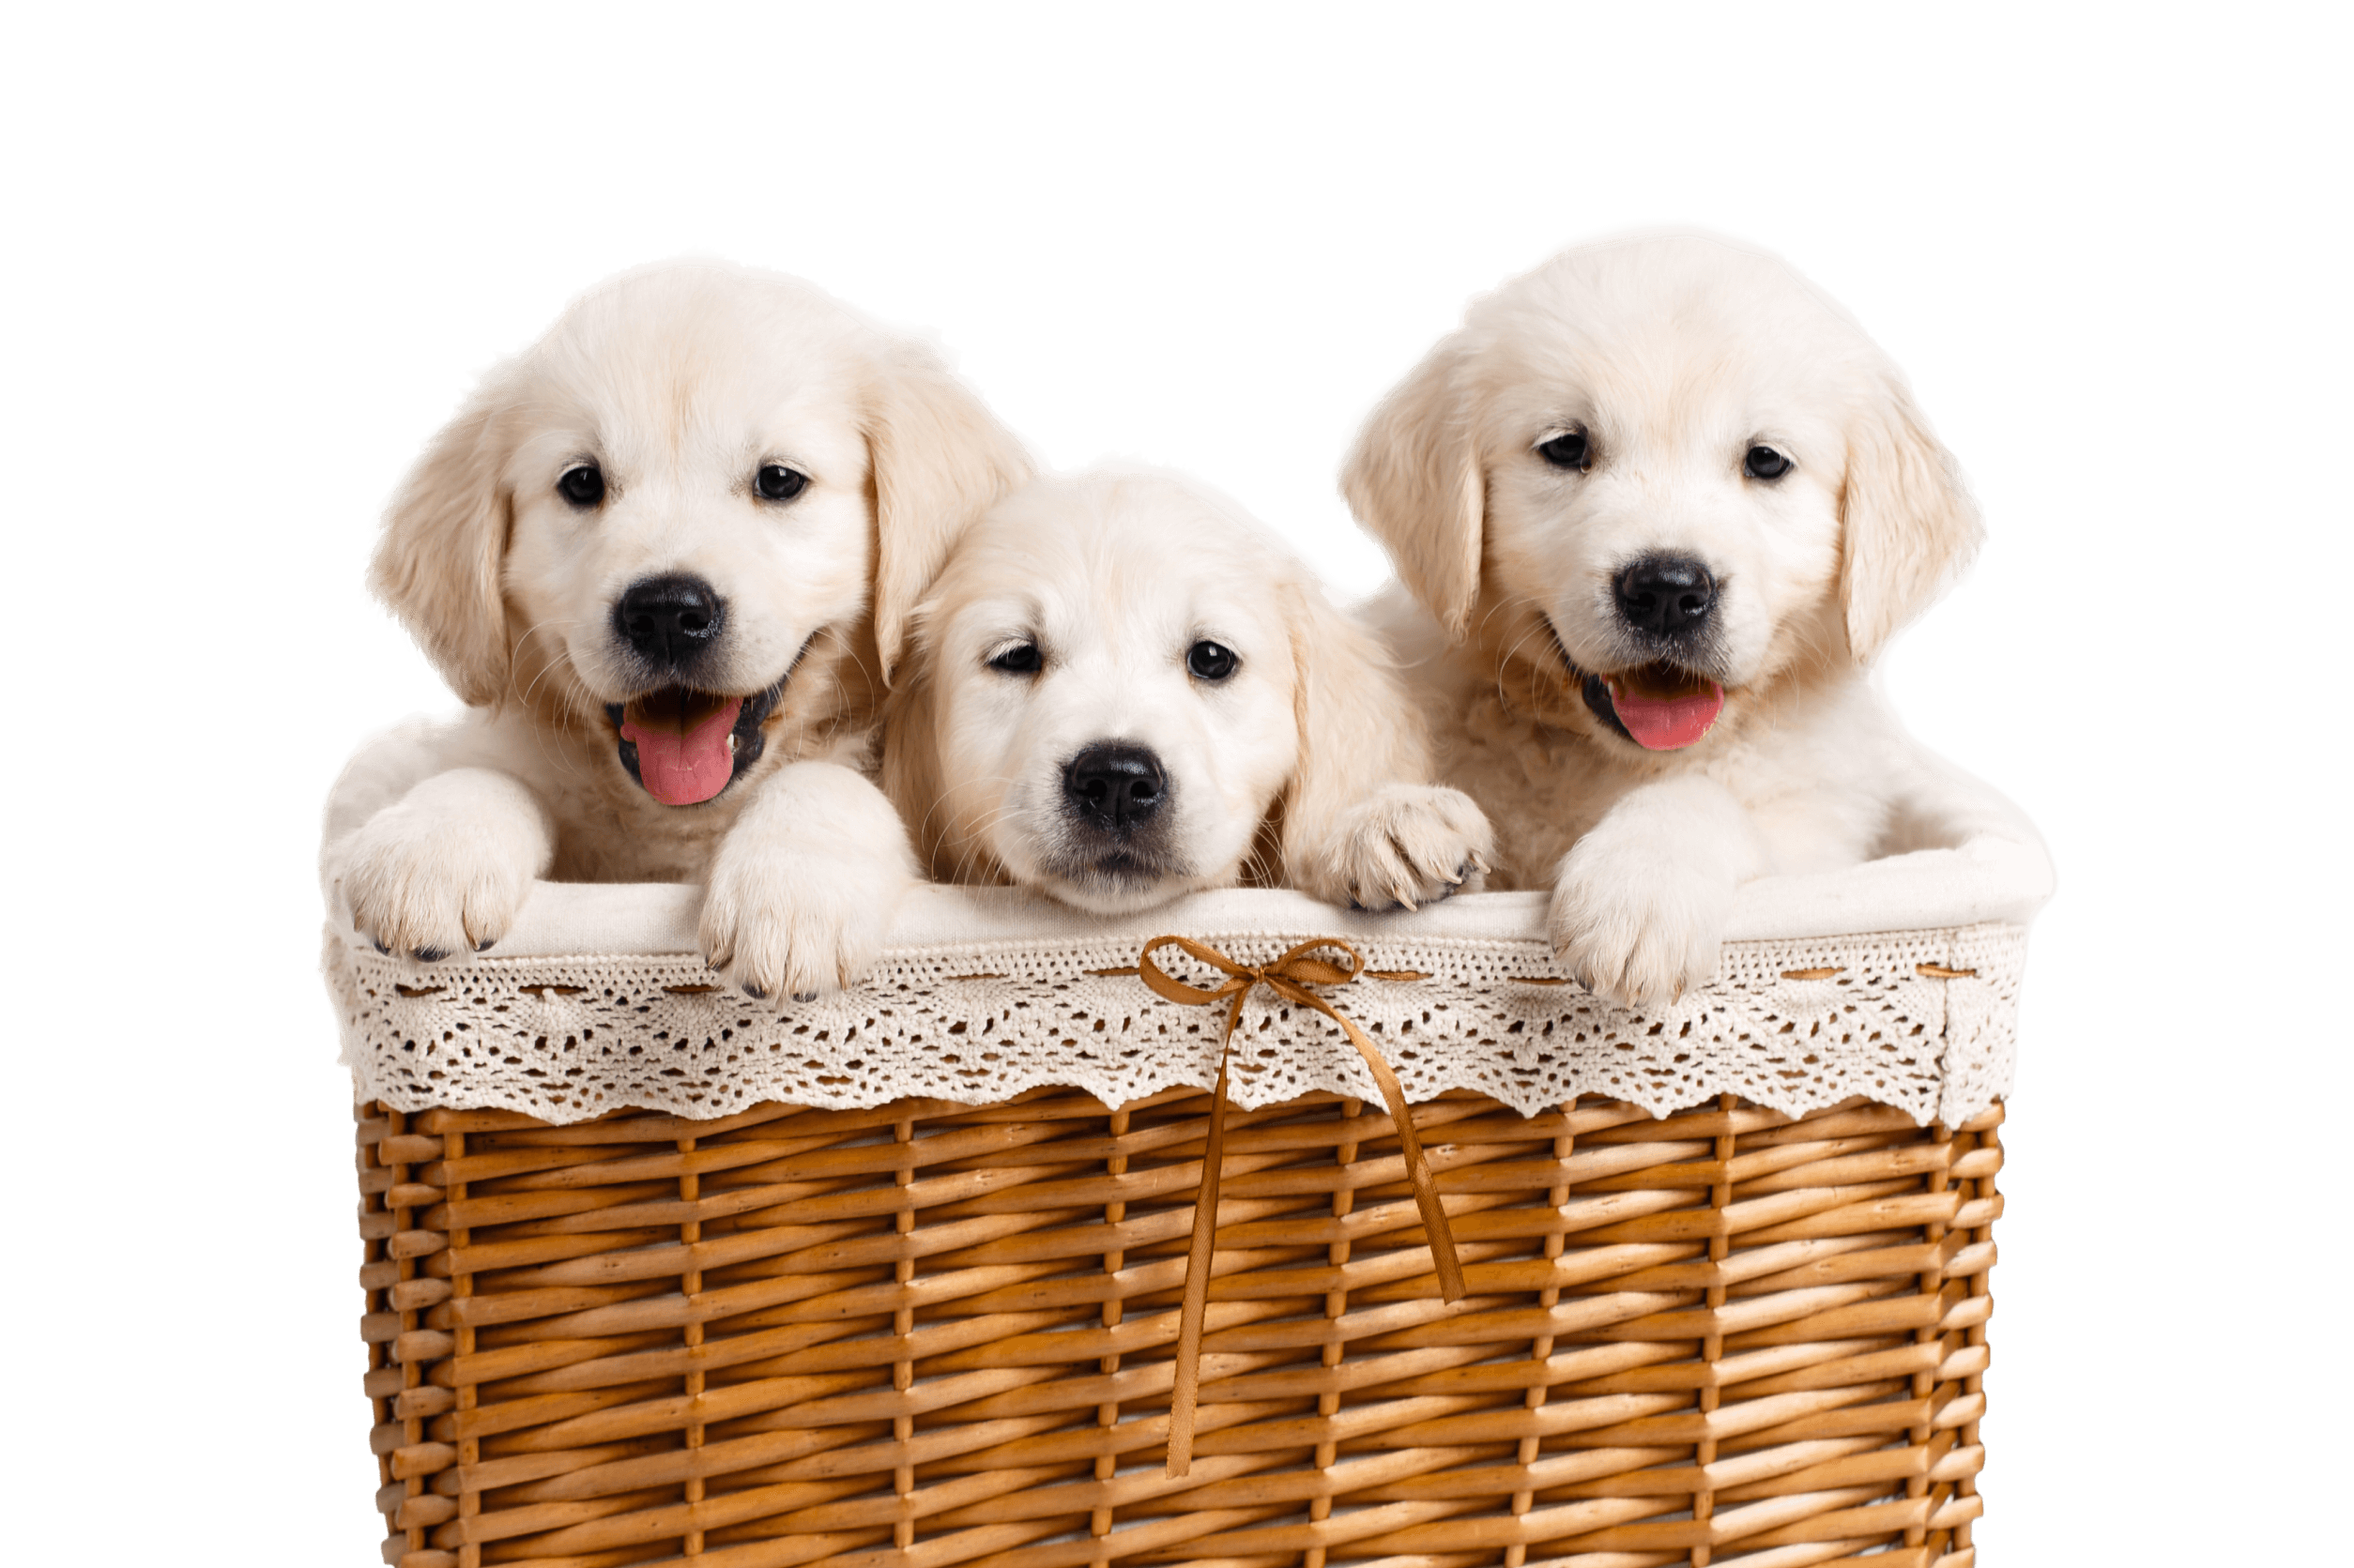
(1123, 689)
(667, 554)
(1657, 504)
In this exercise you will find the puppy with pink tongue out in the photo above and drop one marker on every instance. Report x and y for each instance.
(1655, 506)
(666, 555)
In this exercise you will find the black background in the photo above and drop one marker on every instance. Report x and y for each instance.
(1229, 323)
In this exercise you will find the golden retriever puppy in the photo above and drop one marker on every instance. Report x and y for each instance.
(667, 555)
(1124, 689)
(1659, 503)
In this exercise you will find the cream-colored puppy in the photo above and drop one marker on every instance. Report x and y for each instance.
(667, 553)
(1661, 503)
(1123, 689)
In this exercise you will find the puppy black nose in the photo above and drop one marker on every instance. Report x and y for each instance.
(1115, 787)
(1666, 596)
(668, 619)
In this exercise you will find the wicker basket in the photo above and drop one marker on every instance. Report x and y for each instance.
(933, 1334)
(942, 1332)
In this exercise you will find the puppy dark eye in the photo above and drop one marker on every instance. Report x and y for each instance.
(1567, 451)
(583, 486)
(1763, 462)
(1211, 660)
(776, 482)
(1021, 659)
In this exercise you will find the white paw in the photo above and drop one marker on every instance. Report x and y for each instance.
(788, 926)
(804, 885)
(445, 870)
(1406, 845)
(1636, 925)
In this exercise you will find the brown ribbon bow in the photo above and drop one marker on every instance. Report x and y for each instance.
(1289, 977)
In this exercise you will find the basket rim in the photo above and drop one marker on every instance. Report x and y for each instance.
(1986, 881)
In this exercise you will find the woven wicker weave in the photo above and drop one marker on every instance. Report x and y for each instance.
(934, 1334)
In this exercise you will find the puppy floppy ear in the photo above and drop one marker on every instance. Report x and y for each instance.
(938, 459)
(1413, 479)
(445, 540)
(1358, 731)
(910, 774)
(1907, 524)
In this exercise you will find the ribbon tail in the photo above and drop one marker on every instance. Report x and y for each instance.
(1434, 1222)
(1196, 1308)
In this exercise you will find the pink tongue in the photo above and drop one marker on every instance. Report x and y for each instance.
(1667, 723)
(681, 770)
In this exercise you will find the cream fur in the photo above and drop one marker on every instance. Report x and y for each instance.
(680, 381)
(1675, 354)
(1306, 768)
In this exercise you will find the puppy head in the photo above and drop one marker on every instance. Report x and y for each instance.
(646, 520)
(1659, 474)
(1112, 693)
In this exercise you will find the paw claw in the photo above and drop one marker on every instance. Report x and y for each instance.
(1391, 849)
(429, 955)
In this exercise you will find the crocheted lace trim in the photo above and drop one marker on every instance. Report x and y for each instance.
(1921, 1020)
